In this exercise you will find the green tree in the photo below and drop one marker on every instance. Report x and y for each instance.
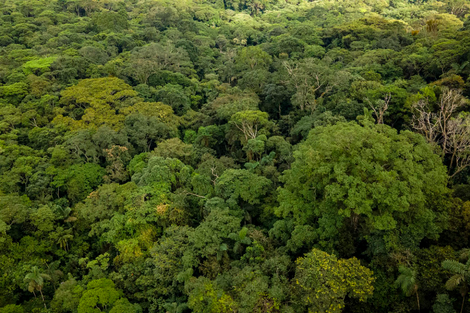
(443, 304)
(67, 296)
(100, 295)
(95, 102)
(36, 280)
(79, 180)
(230, 102)
(311, 80)
(322, 282)
(123, 305)
(174, 96)
(366, 175)
(206, 297)
(12, 308)
(110, 21)
(407, 281)
(252, 58)
(144, 132)
(250, 124)
(38, 66)
(155, 57)
(175, 148)
(461, 275)
(242, 185)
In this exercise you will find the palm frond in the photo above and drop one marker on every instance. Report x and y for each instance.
(454, 281)
(406, 281)
(455, 267)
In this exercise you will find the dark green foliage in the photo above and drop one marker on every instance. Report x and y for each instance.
(367, 176)
(249, 156)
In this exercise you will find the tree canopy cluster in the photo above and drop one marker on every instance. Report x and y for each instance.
(211, 156)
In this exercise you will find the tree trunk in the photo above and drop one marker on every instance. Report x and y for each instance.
(43, 301)
(463, 302)
(417, 299)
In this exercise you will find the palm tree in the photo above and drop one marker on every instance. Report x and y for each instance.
(407, 282)
(35, 280)
(461, 275)
(64, 237)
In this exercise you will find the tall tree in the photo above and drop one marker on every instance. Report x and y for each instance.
(35, 280)
(369, 176)
(408, 283)
(461, 277)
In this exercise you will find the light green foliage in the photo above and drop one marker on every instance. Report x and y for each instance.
(249, 124)
(15, 92)
(36, 280)
(226, 105)
(12, 308)
(96, 92)
(243, 185)
(209, 136)
(211, 236)
(99, 99)
(205, 297)
(123, 305)
(174, 148)
(255, 147)
(79, 180)
(163, 174)
(322, 281)
(158, 110)
(102, 203)
(14, 209)
(38, 66)
(99, 295)
(407, 280)
(43, 218)
(67, 296)
(253, 58)
(311, 80)
(155, 57)
(282, 148)
(209, 169)
(179, 155)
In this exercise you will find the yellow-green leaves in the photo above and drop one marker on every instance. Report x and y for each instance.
(38, 66)
(206, 297)
(107, 101)
(95, 102)
(322, 282)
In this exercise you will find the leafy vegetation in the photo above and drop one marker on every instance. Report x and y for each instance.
(234, 156)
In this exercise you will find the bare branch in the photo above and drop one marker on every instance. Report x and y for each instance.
(380, 108)
(193, 194)
(443, 129)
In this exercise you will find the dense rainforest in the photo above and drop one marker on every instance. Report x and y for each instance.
(214, 156)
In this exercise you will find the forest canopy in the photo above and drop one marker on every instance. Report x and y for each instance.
(210, 156)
